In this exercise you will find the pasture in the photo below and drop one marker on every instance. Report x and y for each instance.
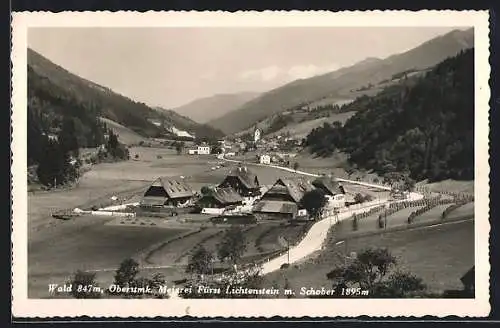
(86, 243)
(57, 248)
(439, 255)
(302, 129)
(451, 185)
(125, 135)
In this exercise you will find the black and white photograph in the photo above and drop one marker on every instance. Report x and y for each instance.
(276, 162)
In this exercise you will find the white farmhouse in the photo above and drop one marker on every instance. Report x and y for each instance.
(265, 159)
(200, 150)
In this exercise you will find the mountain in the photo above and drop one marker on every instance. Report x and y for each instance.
(348, 82)
(425, 128)
(182, 123)
(56, 95)
(206, 109)
(79, 94)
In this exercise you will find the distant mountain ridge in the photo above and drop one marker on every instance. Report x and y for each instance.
(345, 81)
(54, 92)
(205, 109)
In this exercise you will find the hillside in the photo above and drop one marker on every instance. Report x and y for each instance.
(55, 95)
(425, 128)
(125, 135)
(206, 109)
(348, 82)
(183, 123)
(87, 96)
(299, 130)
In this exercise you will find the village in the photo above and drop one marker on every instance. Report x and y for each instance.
(203, 194)
(239, 192)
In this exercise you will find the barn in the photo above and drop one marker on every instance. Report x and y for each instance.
(243, 181)
(282, 200)
(220, 198)
(329, 185)
(168, 191)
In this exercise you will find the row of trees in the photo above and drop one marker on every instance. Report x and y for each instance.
(426, 129)
(126, 276)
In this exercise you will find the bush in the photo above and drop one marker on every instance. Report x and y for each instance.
(359, 198)
(284, 266)
(381, 222)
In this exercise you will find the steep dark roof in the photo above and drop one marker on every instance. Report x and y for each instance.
(329, 184)
(174, 187)
(226, 195)
(272, 206)
(295, 186)
(247, 177)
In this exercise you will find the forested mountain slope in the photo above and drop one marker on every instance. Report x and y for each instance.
(426, 129)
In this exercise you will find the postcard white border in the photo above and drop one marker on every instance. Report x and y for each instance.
(24, 307)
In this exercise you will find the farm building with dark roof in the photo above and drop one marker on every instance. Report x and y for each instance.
(167, 191)
(329, 185)
(220, 198)
(243, 181)
(282, 200)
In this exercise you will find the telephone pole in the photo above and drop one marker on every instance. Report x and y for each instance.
(288, 249)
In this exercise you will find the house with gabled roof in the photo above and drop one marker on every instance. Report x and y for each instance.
(282, 200)
(329, 185)
(220, 198)
(243, 181)
(168, 191)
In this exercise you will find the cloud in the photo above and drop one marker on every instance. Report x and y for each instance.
(265, 74)
(305, 71)
(274, 72)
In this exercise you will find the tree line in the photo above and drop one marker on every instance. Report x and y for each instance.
(425, 128)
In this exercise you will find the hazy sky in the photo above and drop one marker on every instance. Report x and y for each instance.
(172, 66)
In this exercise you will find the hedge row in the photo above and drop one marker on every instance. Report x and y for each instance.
(201, 242)
(428, 207)
(171, 241)
(453, 207)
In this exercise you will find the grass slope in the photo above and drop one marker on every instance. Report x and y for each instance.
(125, 135)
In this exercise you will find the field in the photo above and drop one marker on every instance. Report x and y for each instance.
(452, 185)
(84, 243)
(335, 100)
(127, 136)
(302, 129)
(57, 248)
(439, 255)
